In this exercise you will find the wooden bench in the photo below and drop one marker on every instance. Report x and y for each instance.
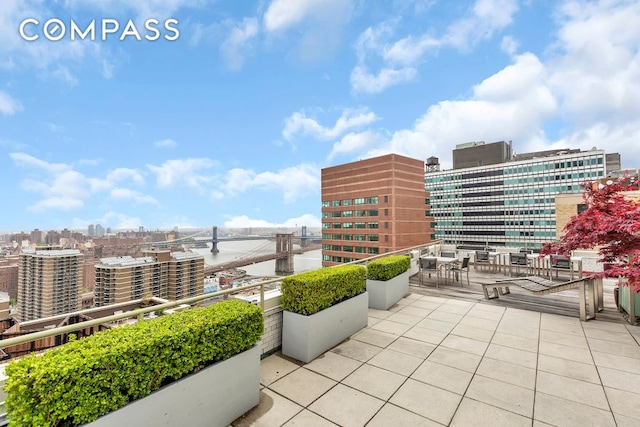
(590, 291)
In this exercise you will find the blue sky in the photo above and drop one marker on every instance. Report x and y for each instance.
(231, 123)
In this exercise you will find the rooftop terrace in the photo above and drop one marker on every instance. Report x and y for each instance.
(444, 355)
(448, 357)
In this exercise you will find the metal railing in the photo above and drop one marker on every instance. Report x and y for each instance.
(168, 305)
(139, 313)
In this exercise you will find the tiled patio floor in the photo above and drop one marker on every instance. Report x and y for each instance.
(431, 361)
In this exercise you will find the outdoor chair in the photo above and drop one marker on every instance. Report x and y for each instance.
(463, 268)
(481, 259)
(517, 260)
(560, 263)
(429, 265)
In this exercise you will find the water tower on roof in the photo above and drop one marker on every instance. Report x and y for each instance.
(432, 164)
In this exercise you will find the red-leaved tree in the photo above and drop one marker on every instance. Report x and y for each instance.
(611, 222)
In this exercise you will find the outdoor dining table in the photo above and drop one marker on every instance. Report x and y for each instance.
(442, 263)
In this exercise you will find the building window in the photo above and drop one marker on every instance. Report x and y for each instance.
(373, 225)
(326, 204)
(336, 236)
(347, 214)
(347, 248)
(336, 225)
(372, 200)
(326, 225)
(360, 225)
(358, 201)
(373, 237)
(372, 212)
(336, 248)
(386, 199)
(386, 238)
(347, 225)
(336, 259)
(325, 214)
(346, 202)
(373, 251)
(335, 203)
(386, 225)
(361, 213)
(336, 214)
(361, 250)
(360, 237)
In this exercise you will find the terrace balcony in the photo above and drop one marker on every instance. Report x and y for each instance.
(444, 355)
(447, 356)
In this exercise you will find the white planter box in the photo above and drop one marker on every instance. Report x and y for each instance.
(306, 337)
(383, 295)
(415, 263)
(214, 396)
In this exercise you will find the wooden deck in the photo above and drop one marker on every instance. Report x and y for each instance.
(564, 303)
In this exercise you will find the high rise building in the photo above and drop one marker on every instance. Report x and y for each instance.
(91, 230)
(36, 237)
(49, 283)
(511, 203)
(99, 230)
(159, 273)
(373, 206)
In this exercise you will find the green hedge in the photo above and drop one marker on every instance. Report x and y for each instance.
(388, 267)
(82, 380)
(310, 292)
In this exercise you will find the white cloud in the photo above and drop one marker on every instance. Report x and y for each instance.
(243, 221)
(237, 44)
(511, 104)
(365, 82)
(8, 105)
(299, 124)
(193, 172)
(284, 14)
(319, 25)
(509, 45)
(128, 194)
(400, 58)
(125, 174)
(64, 188)
(165, 143)
(63, 73)
(487, 17)
(597, 69)
(294, 182)
(352, 142)
(24, 159)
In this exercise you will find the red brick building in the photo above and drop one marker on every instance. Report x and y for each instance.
(372, 207)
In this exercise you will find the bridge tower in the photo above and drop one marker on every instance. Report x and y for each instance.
(284, 244)
(304, 241)
(214, 241)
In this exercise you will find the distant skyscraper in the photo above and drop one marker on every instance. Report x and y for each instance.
(48, 283)
(36, 237)
(99, 230)
(91, 230)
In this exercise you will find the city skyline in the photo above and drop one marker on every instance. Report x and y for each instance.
(231, 123)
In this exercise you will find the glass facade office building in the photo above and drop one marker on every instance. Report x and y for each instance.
(510, 204)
